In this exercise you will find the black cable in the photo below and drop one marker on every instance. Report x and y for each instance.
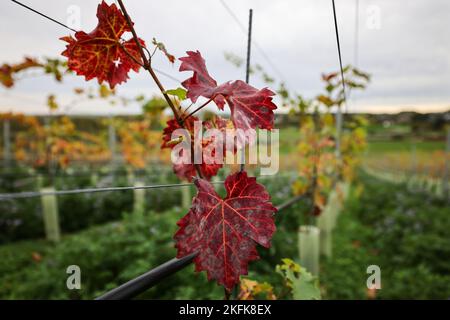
(43, 15)
(33, 194)
(339, 51)
(339, 111)
(149, 279)
(257, 46)
(67, 27)
(167, 75)
(249, 46)
(247, 69)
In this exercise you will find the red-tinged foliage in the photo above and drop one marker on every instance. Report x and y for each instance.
(224, 126)
(209, 167)
(173, 125)
(329, 76)
(162, 47)
(201, 84)
(316, 211)
(250, 108)
(188, 171)
(102, 54)
(7, 71)
(225, 232)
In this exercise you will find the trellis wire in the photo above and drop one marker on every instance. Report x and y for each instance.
(247, 70)
(257, 46)
(249, 45)
(339, 111)
(33, 194)
(446, 175)
(73, 30)
(44, 15)
(6, 175)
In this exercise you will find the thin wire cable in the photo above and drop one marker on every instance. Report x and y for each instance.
(159, 71)
(167, 75)
(247, 70)
(339, 111)
(33, 194)
(339, 52)
(67, 27)
(44, 15)
(257, 46)
(249, 46)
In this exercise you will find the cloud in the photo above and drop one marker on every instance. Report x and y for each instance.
(408, 55)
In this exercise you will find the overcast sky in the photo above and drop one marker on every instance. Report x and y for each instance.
(405, 45)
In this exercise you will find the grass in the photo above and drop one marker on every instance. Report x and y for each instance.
(404, 232)
(377, 147)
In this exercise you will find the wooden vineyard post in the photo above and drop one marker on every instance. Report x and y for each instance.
(414, 181)
(446, 175)
(94, 179)
(131, 179)
(308, 246)
(39, 182)
(50, 215)
(186, 199)
(139, 198)
(326, 223)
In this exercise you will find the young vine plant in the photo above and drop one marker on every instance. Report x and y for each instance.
(223, 232)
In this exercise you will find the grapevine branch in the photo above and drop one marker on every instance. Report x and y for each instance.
(147, 63)
(315, 165)
(198, 109)
(147, 66)
(44, 15)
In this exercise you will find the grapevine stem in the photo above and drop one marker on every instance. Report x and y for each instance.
(315, 163)
(147, 66)
(227, 294)
(198, 109)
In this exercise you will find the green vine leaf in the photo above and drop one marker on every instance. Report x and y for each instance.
(180, 93)
(303, 285)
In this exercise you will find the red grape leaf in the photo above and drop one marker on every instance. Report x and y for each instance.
(201, 84)
(102, 54)
(329, 76)
(225, 232)
(228, 137)
(208, 167)
(250, 107)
